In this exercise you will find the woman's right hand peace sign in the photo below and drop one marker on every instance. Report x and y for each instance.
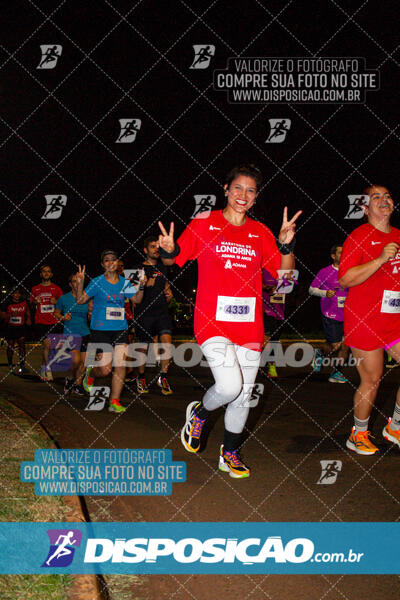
(166, 240)
(80, 275)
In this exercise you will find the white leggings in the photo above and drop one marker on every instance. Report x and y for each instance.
(235, 369)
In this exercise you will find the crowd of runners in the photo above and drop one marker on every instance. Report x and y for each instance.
(240, 307)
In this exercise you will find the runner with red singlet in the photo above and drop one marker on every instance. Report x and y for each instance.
(16, 314)
(231, 249)
(44, 297)
(370, 266)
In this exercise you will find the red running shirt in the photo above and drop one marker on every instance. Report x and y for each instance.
(16, 313)
(230, 259)
(41, 294)
(372, 309)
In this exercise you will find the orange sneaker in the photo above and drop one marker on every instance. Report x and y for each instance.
(361, 443)
(392, 435)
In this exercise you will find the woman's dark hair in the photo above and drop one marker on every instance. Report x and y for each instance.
(248, 171)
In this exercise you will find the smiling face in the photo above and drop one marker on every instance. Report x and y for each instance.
(110, 263)
(241, 193)
(380, 206)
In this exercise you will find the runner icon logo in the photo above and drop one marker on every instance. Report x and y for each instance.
(98, 397)
(54, 206)
(61, 347)
(132, 277)
(62, 547)
(287, 279)
(202, 56)
(330, 470)
(252, 392)
(50, 55)
(278, 130)
(204, 204)
(356, 204)
(129, 129)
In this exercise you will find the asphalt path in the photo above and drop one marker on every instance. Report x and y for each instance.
(299, 420)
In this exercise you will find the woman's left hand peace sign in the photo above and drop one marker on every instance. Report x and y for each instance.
(288, 228)
(166, 240)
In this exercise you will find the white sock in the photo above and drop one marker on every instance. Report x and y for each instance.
(360, 425)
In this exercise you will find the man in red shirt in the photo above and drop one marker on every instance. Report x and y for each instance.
(16, 314)
(44, 298)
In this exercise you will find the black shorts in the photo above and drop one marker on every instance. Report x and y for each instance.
(149, 325)
(334, 331)
(15, 332)
(43, 331)
(272, 327)
(113, 338)
(84, 343)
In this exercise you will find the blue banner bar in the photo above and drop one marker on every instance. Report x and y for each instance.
(207, 548)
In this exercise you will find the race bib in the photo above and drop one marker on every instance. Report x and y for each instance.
(114, 313)
(390, 302)
(340, 301)
(230, 308)
(277, 299)
(16, 320)
(47, 308)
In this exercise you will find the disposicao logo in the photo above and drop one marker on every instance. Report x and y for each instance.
(62, 547)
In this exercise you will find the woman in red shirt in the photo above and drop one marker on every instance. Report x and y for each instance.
(231, 250)
(370, 267)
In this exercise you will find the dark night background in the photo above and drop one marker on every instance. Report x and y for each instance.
(131, 59)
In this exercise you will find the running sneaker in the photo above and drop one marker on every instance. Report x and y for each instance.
(272, 372)
(78, 390)
(317, 360)
(361, 443)
(338, 377)
(191, 431)
(116, 406)
(163, 383)
(231, 463)
(141, 385)
(68, 385)
(49, 374)
(392, 435)
(43, 373)
(22, 371)
(88, 380)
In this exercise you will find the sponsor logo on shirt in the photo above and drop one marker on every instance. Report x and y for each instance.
(213, 227)
(232, 248)
(373, 243)
(228, 264)
(253, 235)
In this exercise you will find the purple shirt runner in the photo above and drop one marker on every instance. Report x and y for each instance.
(273, 304)
(327, 279)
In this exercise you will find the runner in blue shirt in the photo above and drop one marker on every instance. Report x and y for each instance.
(109, 328)
(75, 319)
